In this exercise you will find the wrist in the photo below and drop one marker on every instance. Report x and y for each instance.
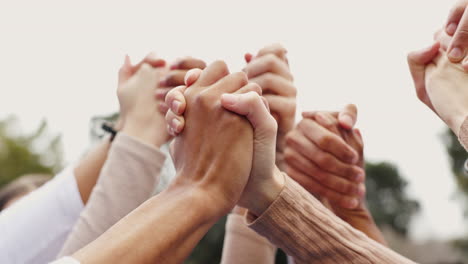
(267, 193)
(154, 135)
(206, 200)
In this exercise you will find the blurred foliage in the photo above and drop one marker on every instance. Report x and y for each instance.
(386, 197)
(457, 157)
(20, 153)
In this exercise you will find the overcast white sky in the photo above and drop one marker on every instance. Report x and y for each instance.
(59, 59)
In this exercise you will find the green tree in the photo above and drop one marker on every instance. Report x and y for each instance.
(24, 153)
(457, 157)
(387, 198)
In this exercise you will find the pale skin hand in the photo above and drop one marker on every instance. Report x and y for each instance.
(440, 84)
(266, 181)
(270, 69)
(358, 217)
(199, 196)
(457, 27)
(89, 168)
(140, 113)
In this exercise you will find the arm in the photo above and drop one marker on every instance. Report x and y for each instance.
(167, 227)
(338, 189)
(299, 224)
(283, 211)
(243, 245)
(132, 169)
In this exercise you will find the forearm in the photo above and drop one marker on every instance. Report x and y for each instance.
(127, 180)
(243, 245)
(89, 168)
(307, 231)
(165, 229)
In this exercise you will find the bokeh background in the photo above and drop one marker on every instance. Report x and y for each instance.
(59, 63)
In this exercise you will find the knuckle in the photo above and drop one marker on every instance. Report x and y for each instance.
(241, 77)
(325, 141)
(324, 160)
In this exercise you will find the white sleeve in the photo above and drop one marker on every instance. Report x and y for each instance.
(34, 229)
(66, 260)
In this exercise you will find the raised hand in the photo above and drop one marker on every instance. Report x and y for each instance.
(139, 115)
(319, 158)
(440, 84)
(270, 69)
(265, 180)
(213, 155)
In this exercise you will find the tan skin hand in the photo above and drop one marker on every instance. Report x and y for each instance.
(216, 147)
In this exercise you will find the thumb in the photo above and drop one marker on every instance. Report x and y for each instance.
(125, 71)
(192, 76)
(253, 108)
(348, 116)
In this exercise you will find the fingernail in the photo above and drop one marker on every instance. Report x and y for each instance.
(176, 106)
(451, 28)
(176, 125)
(361, 190)
(347, 120)
(352, 203)
(456, 53)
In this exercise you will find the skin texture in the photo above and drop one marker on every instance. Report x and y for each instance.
(89, 168)
(440, 84)
(206, 187)
(270, 70)
(175, 77)
(266, 181)
(359, 217)
(319, 158)
(457, 27)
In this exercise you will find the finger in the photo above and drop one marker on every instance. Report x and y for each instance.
(232, 82)
(213, 73)
(173, 78)
(457, 49)
(328, 121)
(417, 61)
(125, 71)
(192, 76)
(454, 18)
(443, 39)
(348, 116)
(319, 190)
(175, 99)
(312, 114)
(322, 158)
(252, 107)
(175, 122)
(275, 84)
(248, 57)
(188, 63)
(161, 93)
(328, 141)
(268, 63)
(332, 181)
(162, 107)
(282, 107)
(276, 49)
(151, 59)
(251, 87)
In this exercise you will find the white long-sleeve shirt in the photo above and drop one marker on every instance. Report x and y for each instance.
(34, 229)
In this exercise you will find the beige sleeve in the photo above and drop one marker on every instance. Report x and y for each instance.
(243, 245)
(300, 225)
(127, 179)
